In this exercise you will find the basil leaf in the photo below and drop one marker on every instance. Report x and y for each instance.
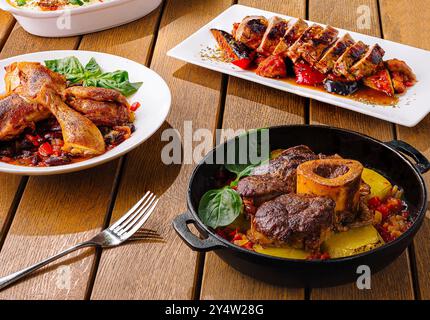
(92, 69)
(255, 148)
(70, 67)
(220, 207)
(92, 75)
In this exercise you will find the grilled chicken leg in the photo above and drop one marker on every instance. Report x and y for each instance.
(17, 114)
(81, 136)
(104, 107)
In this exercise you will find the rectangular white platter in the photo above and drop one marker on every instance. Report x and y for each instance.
(409, 111)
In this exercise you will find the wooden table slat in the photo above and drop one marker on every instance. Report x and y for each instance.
(164, 270)
(6, 24)
(400, 22)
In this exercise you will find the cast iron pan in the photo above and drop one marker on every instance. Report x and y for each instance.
(386, 157)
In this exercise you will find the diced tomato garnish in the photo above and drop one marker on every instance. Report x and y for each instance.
(135, 106)
(46, 150)
(305, 74)
(374, 202)
(393, 204)
(33, 139)
(384, 210)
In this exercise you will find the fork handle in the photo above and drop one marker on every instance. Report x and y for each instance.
(12, 278)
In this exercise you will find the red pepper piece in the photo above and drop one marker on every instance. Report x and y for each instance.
(135, 106)
(374, 202)
(305, 74)
(46, 149)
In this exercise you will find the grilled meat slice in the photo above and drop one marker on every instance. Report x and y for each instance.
(276, 177)
(348, 58)
(301, 221)
(251, 31)
(291, 35)
(294, 52)
(369, 64)
(274, 32)
(329, 58)
(312, 50)
(104, 107)
(17, 114)
(272, 67)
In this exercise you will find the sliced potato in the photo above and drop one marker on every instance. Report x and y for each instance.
(353, 241)
(379, 185)
(284, 252)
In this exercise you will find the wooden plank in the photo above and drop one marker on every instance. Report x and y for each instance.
(6, 24)
(390, 283)
(164, 270)
(249, 105)
(400, 23)
(57, 212)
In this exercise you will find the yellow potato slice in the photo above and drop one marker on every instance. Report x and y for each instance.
(379, 185)
(284, 252)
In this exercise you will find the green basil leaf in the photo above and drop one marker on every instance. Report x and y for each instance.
(220, 207)
(92, 69)
(70, 67)
(254, 147)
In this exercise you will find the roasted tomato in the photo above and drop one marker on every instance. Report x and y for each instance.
(241, 55)
(272, 67)
(380, 81)
(305, 74)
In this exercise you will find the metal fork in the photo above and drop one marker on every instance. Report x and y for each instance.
(126, 228)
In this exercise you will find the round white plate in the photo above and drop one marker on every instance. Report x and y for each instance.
(154, 96)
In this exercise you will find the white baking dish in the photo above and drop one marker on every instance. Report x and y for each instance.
(80, 20)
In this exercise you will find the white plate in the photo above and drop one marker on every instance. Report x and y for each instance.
(154, 96)
(410, 110)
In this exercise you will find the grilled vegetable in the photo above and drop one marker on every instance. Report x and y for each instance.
(340, 87)
(379, 186)
(305, 74)
(272, 67)
(354, 241)
(283, 252)
(380, 81)
(241, 55)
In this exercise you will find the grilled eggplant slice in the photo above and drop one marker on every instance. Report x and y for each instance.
(241, 55)
(381, 81)
(251, 31)
(276, 29)
(369, 64)
(343, 88)
(333, 53)
(291, 36)
(348, 58)
(312, 50)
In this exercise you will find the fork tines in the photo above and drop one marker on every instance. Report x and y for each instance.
(134, 219)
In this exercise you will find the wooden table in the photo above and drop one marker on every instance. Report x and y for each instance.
(40, 216)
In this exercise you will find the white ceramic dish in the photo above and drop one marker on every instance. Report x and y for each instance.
(80, 20)
(154, 95)
(410, 110)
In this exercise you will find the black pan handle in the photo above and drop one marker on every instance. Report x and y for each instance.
(180, 224)
(423, 164)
